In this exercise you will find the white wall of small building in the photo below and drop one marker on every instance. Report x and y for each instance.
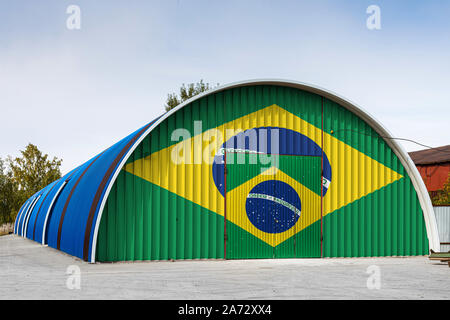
(442, 214)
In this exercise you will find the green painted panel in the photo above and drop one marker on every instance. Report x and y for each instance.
(349, 128)
(250, 247)
(245, 245)
(231, 104)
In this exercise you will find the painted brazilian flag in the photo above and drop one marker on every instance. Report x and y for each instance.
(261, 172)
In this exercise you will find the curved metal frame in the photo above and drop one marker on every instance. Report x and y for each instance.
(419, 186)
(50, 207)
(19, 216)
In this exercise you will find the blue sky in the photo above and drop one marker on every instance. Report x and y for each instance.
(76, 92)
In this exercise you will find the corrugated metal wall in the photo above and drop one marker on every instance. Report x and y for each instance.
(387, 219)
(160, 210)
(143, 221)
(63, 213)
(442, 214)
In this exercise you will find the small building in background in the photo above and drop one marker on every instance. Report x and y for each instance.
(434, 167)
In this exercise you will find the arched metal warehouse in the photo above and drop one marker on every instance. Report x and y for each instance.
(254, 169)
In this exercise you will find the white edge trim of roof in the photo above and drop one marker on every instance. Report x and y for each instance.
(19, 215)
(424, 199)
(50, 207)
(29, 216)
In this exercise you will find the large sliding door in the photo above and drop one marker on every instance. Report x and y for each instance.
(272, 211)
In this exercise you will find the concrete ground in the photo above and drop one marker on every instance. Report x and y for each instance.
(31, 271)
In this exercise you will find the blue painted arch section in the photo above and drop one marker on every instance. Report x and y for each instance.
(70, 199)
(88, 180)
(32, 217)
(35, 229)
(63, 207)
(126, 145)
(26, 219)
(19, 215)
(32, 213)
(23, 214)
(58, 207)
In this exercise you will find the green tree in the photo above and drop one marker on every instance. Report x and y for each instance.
(186, 92)
(8, 195)
(31, 172)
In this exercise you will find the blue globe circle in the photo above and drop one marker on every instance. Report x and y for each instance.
(290, 143)
(273, 206)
